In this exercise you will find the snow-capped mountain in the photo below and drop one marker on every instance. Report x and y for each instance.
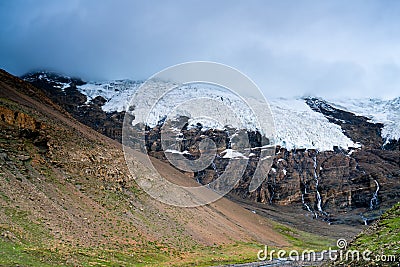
(378, 111)
(297, 125)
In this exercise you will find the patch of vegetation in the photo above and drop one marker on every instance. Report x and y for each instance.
(301, 240)
(382, 239)
(239, 252)
(26, 230)
(13, 254)
(4, 196)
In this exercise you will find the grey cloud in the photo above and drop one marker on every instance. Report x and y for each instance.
(325, 48)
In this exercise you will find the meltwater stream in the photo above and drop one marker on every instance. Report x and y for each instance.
(374, 200)
(318, 195)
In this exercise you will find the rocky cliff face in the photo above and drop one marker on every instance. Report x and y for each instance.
(341, 186)
(336, 186)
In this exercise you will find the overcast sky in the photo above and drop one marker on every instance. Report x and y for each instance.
(289, 48)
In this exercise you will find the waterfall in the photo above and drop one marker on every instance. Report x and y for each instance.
(318, 195)
(374, 200)
(319, 200)
(308, 207)
(304, 202)
(272, 195)
(272, 190)
(365, 220)
(200, 175)
(215, 168)
(229, 145)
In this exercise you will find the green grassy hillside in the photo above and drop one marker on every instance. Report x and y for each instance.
(382, 239)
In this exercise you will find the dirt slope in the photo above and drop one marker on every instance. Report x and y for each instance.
(66, 195)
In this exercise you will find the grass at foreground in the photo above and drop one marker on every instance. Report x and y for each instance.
(301, 240)
(12, 254)
(382, 239)
(18, 254)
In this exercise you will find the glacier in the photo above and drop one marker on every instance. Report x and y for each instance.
(297, 126)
